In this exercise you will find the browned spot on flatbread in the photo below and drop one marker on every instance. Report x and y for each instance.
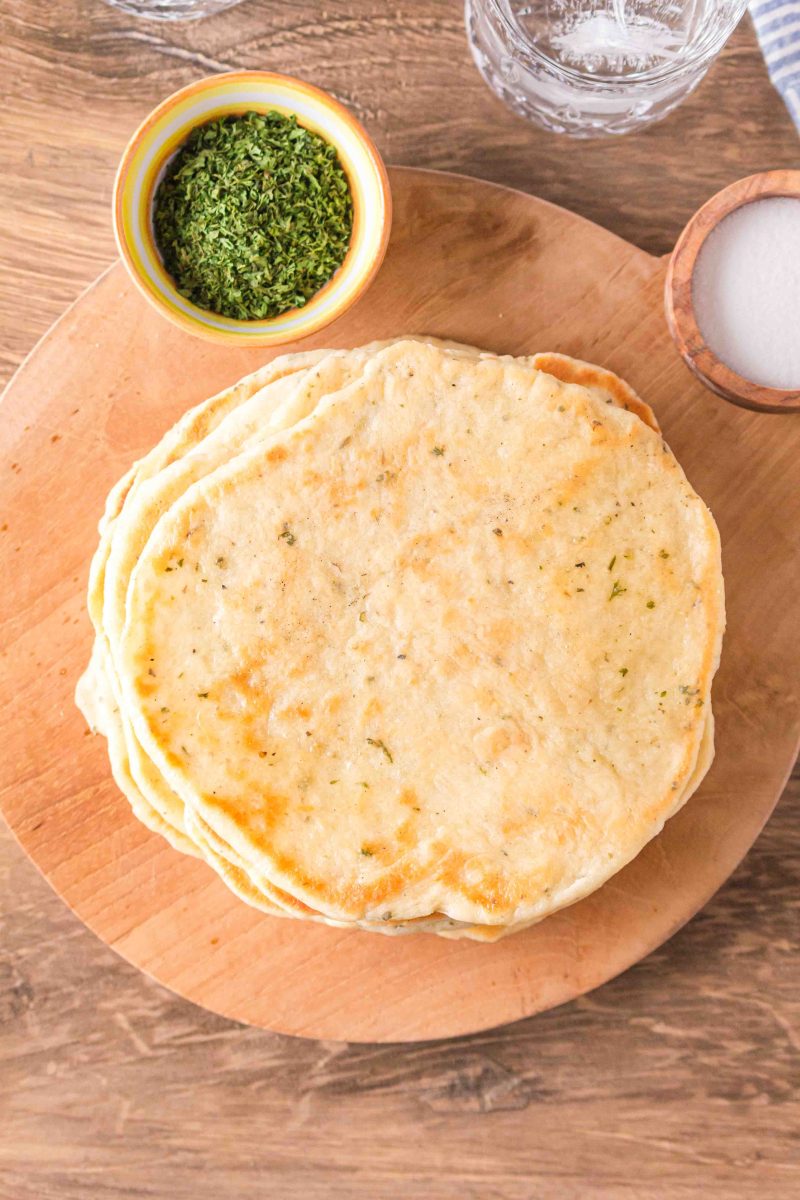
(574, 370)
(409, 798)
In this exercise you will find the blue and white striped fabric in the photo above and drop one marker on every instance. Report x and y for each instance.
(777, 24)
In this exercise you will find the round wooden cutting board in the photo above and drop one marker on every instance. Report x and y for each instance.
(467, 261)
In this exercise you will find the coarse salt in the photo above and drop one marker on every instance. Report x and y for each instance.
(746, 292)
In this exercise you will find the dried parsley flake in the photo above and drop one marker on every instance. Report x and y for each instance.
(253, 216)
(380, 745)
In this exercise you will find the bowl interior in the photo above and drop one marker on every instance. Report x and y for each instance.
(162, 134)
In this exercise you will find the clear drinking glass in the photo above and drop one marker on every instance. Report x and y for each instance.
(589, 68)
(172, 10)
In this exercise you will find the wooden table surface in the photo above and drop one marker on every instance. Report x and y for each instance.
(679, 1079)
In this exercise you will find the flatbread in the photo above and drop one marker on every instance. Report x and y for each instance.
(565, 808)
(209, 434)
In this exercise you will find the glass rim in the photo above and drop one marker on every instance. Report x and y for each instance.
(529, 50)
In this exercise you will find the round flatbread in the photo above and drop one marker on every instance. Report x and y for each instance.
(443, 646)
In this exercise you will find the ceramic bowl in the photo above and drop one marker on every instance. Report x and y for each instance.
(163, 133)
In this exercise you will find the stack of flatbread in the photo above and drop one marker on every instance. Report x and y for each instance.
(409, 637)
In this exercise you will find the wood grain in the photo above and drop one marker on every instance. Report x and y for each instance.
(78, 76)
(676, 1080)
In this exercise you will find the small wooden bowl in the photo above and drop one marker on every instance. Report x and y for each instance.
(697, 355)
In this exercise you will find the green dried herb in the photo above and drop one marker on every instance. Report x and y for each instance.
(616, 590)
(253, 216)
(380, 745)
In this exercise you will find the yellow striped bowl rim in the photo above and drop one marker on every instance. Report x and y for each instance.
(165, 130)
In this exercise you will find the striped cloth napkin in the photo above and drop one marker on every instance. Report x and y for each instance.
(777, 25)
